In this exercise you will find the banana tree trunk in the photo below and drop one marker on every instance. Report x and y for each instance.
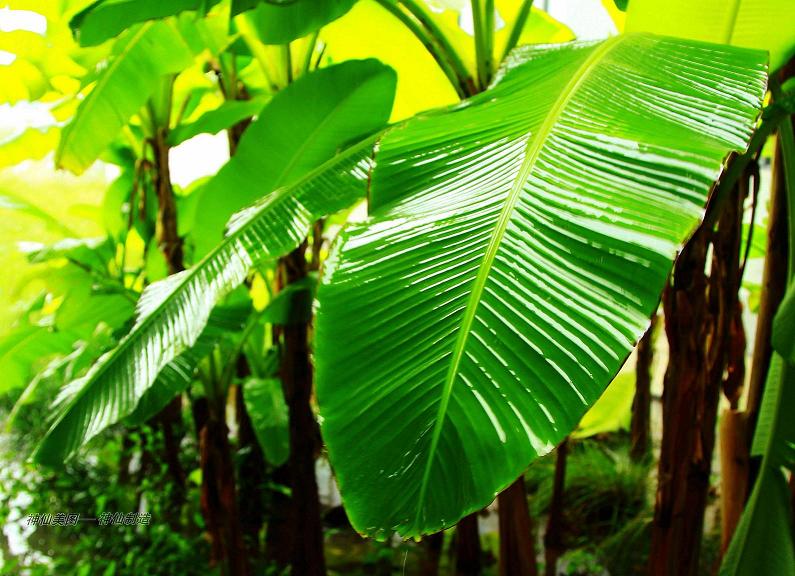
(219, 500)
(169, 418)
(725, 286)
(296, 373)
(553, 537)
(517, 544)
(468, 552)
(706, 343)
(429, 563)
(690, 404)
(774, 282)
(640, 426)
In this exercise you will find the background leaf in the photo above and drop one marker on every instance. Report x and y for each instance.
(269, 417)
(139, 62)
(303, 126)
(282, 22)
(107, 19)
(761, 24)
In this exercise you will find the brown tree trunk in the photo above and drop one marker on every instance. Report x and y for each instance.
(517, 544)
(640, 427)
(724, 288)
(734, 473)
(218, 498)
(553, 537)
(690, 403)
(429, 563)
(279, 534)
(169, 418)
(706, 342)
(296, 373)
(168, 239)
(468, 553)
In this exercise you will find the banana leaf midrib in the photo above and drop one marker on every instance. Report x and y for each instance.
(533, 150)
(731, 25)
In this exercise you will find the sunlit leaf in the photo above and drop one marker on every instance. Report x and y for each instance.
(299, 129)
(760, 24)
(134, 72)
(282, 22)
(107, 19)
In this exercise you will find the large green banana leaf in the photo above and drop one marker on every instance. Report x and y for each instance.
(300, 128)
(761, 24)
(140, 60)
(517, 245)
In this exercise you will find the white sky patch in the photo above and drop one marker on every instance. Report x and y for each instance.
(588, 19)
(200, 156)
(22, 20)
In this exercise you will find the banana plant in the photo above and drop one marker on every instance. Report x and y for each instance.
(517, 244)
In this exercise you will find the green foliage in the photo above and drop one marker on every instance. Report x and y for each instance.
(604, 490)
(515, 246)
(141, 58)
(172, 313)
(282, 22)
(302, 127)
(213, 121)
(268, 412)
(106, 19)
(760, 24)
(514, 253)
(93, 488)
(178, 307)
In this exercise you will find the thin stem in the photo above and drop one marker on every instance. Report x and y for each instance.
(488, 41)
(787, 143)
(310, 50)
(287, 61)
(750, 239)
(787, 139)
(228, 80)
(464, 78)
(518, 26)
(480, 44)
(427, 41)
